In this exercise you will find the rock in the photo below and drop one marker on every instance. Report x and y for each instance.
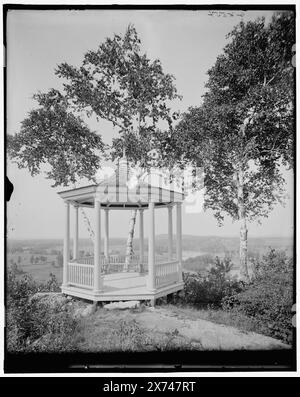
(84, 311)
(50, 298)
(59, 301)
(122, 305)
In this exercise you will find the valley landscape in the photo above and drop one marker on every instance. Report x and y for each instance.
(40, 258)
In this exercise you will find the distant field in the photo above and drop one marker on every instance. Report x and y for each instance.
(209, 244)
(198, 252)
(40, 271)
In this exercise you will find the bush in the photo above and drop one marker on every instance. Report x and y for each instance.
(269, 296)
(32, 325)
(209, 290)
(198, 263)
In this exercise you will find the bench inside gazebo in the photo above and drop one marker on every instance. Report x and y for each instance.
(102, 278)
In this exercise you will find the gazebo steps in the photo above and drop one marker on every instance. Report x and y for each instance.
(122, 287)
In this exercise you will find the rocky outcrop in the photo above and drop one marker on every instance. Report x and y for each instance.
(122, 305)
(57, 300)
(51, 299)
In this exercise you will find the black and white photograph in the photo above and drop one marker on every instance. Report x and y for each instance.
(150, 203)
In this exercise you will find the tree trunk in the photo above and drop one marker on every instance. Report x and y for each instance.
(243, 227)
(88, 224)
(129, 245)
(243, 250)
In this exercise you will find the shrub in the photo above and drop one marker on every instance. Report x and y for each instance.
(198, 263)
(209, 290)
(269, 296)
(33, 325)
(128, 336)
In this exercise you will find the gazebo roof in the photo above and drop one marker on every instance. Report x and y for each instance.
(122, 189)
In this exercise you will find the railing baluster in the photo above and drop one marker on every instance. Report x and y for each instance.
(166, 273)
(80, 274)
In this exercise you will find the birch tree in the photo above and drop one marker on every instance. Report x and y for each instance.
(118, 83)
(244, 130)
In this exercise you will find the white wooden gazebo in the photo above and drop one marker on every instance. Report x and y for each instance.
(103, 277)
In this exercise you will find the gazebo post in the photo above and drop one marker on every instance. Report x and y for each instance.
(141, 237)
(66, 243)
(151, 249)
(75, 243)
(170, 233)
(106, 234)
(179, 239)
(97, 249)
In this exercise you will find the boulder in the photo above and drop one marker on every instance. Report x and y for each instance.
(57, 300)
(52, 299)
(84, 311)
(122, 305)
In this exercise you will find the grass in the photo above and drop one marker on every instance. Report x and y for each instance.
(121, 330)
(219, 316)
(39, 271)
(126, 331)
(108, 331)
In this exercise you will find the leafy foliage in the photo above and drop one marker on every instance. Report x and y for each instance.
(198, 263)
(209, 290)
(33, 325)
(269, 297)
(120, 84)
(116, 83)
(266, 301)
(246, 120)
(244, 130)
(52, 135)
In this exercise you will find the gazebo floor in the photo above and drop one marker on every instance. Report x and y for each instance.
(122, 287)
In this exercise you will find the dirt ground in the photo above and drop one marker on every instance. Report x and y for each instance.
(209, 335)
(163, 328)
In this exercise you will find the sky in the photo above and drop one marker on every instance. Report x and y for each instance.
(186, 42)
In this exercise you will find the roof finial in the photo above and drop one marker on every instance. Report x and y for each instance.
(124, 154)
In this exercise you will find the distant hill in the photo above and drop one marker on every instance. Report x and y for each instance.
(199, 244)
(40, 257)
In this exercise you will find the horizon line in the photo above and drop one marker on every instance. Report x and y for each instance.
(162, 234)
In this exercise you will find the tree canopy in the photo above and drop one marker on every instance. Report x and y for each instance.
(117, 82)
(52, 135)
(246, 120)
(243, 132)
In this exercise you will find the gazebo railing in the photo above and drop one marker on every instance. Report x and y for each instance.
(166, 273)
(81, 273)
(114, 263)
(119, 259)
(89, 260)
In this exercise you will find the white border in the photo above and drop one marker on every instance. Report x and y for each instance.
(152, 374)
